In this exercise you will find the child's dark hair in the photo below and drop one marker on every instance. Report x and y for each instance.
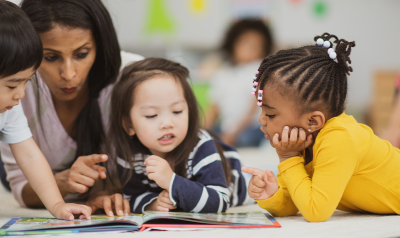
(310, 75)
(119, 141)
(243, 26)
(91, 15)
(20, 46)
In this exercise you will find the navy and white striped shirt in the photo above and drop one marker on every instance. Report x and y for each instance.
(205, 188)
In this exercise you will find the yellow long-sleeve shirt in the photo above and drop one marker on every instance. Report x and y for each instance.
(352, 170)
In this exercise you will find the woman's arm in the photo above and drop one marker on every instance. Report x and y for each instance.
(23, 191)
(82, 175)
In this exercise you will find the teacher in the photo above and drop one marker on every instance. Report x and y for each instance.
(67, 105)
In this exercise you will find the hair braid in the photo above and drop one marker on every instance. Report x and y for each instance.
(311, 71)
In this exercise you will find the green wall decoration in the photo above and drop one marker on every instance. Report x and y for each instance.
(159, 20)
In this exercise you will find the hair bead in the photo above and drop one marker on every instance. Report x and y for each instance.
(259, 98)
(332, 55)
(327, 44)
(320, 41)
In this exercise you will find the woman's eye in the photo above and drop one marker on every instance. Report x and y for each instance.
(83, 55)
(51, 58)
(11, 87)
(270, 116)
(152, 116)
(178, 112)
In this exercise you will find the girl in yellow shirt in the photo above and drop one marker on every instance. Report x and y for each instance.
(328, 161)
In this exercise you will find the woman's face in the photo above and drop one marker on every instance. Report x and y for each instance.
(248, 47)
(68, 56)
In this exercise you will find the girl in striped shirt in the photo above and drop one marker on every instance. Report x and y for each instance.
(164, 160)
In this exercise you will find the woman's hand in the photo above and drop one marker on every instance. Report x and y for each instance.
(70, 211)
(82, 175)
(262, 185)
(109, 203)
(159, 171)
(163, 203)
(291, 144)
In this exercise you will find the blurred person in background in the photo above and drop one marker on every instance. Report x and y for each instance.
(392, 133)
(245, 44)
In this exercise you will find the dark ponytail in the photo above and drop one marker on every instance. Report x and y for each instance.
(91, 15)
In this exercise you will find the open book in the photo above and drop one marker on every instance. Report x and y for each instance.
(140, 222)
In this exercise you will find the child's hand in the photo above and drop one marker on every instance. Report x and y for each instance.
(109, 203)
(163, 203)
(68, 211)
(262, 185)
(159, 171)
(291, 144)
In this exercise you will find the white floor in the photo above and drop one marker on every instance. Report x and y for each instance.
(341, 224)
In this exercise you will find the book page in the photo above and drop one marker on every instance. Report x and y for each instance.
(24, 224)
(250, 218)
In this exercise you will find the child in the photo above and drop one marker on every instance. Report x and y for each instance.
(21, 54)
(245, 44)
(328, 161)
(164, 160)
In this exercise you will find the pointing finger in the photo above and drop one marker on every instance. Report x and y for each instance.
(253, 171)
(94, 159)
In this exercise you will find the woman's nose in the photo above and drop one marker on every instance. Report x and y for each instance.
(68, 71)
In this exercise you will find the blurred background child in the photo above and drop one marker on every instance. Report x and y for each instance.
(245, 44)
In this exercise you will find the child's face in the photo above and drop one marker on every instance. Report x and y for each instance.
(12, 89)
(160, 114)
(278, 112)
(68, 56)
(248, 47)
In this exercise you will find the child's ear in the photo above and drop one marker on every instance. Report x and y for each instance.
(316, 120)
(128, 127)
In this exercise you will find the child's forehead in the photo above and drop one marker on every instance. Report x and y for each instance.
(18, 77)
(158, 90)
(278, 99)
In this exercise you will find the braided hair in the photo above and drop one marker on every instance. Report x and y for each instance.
(310, 74)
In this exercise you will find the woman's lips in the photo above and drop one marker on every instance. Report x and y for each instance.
(9, 108)
(266, 136)
(68, 90)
